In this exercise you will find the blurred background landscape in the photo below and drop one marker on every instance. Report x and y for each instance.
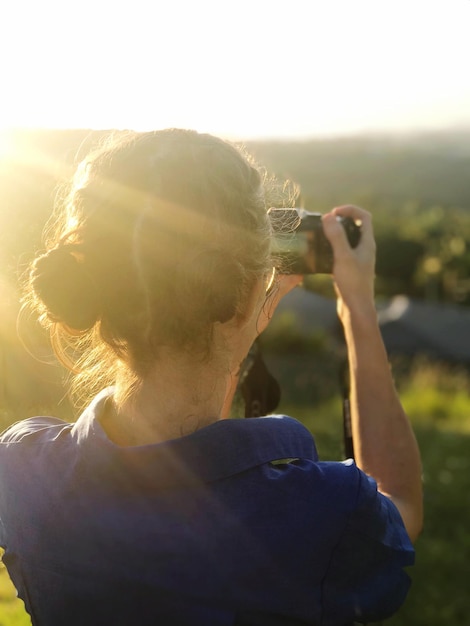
(361, 102)
(418, 190)
(416, 186)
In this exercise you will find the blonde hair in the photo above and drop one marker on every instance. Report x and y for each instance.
(161, 235)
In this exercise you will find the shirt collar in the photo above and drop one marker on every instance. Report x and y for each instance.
(222, 449)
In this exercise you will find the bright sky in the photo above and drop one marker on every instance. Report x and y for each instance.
(239, 68)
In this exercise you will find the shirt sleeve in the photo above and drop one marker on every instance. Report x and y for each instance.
(366, 574)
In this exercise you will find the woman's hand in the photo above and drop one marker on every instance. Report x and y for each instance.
(353, 268)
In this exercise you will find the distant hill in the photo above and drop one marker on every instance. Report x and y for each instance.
(376, 171)
(417, 186)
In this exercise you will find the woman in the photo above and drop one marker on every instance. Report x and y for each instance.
(152, 508)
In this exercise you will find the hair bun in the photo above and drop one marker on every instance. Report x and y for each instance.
(60, 280)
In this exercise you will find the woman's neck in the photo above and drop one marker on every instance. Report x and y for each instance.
(181, 393)
(177, 398)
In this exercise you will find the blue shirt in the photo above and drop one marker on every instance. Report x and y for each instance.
(238, 523)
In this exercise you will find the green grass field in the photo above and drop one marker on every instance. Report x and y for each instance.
(439, 406)
(12, 611)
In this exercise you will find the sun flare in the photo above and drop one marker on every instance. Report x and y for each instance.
(6, 144)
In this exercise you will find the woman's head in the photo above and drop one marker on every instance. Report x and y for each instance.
(162, 235)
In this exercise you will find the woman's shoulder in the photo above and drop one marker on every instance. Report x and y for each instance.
(288, 426)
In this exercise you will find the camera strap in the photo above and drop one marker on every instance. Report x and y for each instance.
(260, 390)
(347, 426)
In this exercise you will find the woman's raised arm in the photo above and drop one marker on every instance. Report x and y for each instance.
(384, 443)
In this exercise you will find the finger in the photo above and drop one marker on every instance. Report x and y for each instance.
(334, 232)
(361, 217)
(353, 211)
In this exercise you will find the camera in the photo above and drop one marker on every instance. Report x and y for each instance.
(299, 243)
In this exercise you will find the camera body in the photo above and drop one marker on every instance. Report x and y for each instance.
(299, 243)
